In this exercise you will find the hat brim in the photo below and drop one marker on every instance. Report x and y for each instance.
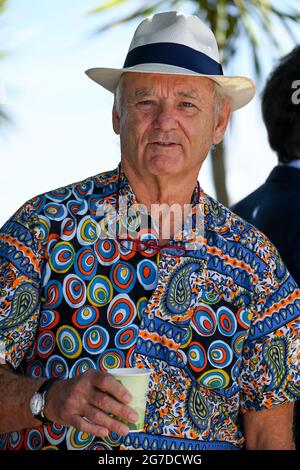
(241, 90)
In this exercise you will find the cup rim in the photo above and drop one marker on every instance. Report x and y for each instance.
(130, 371)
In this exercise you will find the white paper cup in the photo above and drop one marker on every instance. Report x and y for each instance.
(137, 383)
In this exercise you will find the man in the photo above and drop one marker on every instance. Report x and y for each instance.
(275, 205)
(216, 319)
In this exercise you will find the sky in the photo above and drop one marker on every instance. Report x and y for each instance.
(61, 131)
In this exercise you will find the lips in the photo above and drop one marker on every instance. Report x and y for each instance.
(164, 144)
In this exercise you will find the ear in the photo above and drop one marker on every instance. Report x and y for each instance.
(115, 120)
(221, 121)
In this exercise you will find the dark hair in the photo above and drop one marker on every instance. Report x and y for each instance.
(281, 113)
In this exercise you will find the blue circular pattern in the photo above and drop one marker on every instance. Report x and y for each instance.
(121, 311)
(45, 344)
(227, 323)
(126, 337)
(147, 274)
(57, 368)
(95, 339)
(55, 211)
(81, 366)
(107, 251)
(204, 321)
(85, 316)
(219, 354)
(123, 277)
(86, 263)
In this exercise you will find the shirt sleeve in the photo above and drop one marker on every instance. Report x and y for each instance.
(270, 373)
(21, 258)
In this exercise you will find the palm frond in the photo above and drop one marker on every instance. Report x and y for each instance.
(138, 13)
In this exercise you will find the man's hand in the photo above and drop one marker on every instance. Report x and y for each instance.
(85, 403)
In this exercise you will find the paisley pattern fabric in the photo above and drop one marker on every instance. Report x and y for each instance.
(219, 326)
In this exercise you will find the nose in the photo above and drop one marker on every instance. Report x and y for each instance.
(166, 118)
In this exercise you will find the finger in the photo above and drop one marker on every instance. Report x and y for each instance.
(109, 384)
(103, 401)
(100, 418)
(84, 425)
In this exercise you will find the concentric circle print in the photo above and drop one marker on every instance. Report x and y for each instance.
(81, 366)
(77, 207)
(100, 291)
(14, 440)
(62, 257)
(45, 344)
(53, 294)
(83, 189)
(57, 368)
(34, 439)
(68, 341)
(74, 291)
(86, 263)
(126, 337)
(121, 311)
(35, 369)
(85, 316)
(123, 277)
(111, 359)
(107, 251)
(227, 323)
(141, 306)
(147, 274)
(95, 339)
(44, 227)
(55, 211)
(87, 231)
(244, 318)
(237, 342)
(204, 321)
(68, 228)
(197, 357)
(210, 297)
(219, 354)
(49, 319)
(214, 378)
(55, 433)
(77, 440)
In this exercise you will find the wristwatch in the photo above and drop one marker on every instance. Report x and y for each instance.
(38, 402)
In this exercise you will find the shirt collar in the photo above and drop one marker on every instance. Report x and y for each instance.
(192, 231)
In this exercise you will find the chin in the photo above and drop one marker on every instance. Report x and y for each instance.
(164, 166)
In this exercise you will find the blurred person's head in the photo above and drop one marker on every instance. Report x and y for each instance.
(281, 113)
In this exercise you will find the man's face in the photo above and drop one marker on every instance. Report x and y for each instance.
(167, 123)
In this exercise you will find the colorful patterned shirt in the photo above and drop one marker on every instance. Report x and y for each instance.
(219, 327)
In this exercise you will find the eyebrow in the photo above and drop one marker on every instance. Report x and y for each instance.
(189, 94)
(142, 92)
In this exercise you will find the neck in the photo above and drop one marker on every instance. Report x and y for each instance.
(164, 196)
(156, 189)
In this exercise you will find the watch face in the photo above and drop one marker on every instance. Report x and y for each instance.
(36, 403)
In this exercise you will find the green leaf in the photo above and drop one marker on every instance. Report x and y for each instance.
(107, 6)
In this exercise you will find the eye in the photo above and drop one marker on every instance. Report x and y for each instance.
(187, 104)
(145, 103)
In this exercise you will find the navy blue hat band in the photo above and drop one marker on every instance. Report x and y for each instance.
(178, 55)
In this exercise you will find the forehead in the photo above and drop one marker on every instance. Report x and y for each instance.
(150, 82)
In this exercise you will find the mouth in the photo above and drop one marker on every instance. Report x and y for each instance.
(164, 144)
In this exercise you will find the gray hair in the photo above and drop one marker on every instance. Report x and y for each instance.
(219, 97)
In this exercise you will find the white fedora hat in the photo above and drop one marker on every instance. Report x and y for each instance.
(174, 43)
